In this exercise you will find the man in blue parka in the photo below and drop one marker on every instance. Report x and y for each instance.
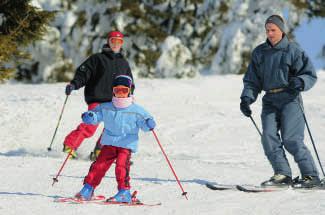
(283, 70)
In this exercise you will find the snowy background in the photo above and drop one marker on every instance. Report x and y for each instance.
(199, 122)
(200, 127)
(171, 38)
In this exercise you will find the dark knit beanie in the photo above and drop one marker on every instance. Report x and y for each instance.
(123, 80)
(277, 20)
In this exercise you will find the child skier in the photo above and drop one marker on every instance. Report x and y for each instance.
(122, 120)
(97, 74)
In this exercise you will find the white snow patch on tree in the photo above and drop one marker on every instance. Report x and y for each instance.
(2, 18)
(173, 59)
(220, 35)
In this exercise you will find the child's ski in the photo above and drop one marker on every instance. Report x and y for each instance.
(80, 201)
(100, 199)
(137, 203)
(134, 201)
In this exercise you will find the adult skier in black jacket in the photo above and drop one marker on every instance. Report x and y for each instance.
(96, 74)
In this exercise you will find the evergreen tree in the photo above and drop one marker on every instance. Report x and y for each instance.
(314, 8)
(20, 24)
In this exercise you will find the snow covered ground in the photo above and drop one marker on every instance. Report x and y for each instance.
(200, 127)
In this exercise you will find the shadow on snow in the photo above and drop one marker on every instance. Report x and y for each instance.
(28, 194)
(152, 180)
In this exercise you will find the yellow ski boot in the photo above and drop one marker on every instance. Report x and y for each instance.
(67, 149)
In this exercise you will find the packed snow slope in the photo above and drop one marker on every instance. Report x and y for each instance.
(200, 127)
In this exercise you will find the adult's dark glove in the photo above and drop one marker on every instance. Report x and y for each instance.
(69, 88)
(245, 106)
(296, 85)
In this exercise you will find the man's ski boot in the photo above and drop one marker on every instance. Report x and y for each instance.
(67, 150)
(307, 182)
(123, 196)
(278, 180)
(322, 183)
(86, 193)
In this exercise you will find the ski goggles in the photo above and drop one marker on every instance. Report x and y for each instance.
(116, 41)
(121, 90)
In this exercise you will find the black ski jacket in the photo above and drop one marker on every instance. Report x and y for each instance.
(97, 73)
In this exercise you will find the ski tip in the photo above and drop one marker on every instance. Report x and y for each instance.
(220, 186)
(209, 185)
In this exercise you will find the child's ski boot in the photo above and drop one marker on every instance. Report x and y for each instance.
(123, 196)
(86, 193)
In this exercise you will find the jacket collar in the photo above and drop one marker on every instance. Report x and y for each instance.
(282, 44)
(108, 52)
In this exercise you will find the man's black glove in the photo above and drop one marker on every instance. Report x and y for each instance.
(69, 88)
(244, 106)
(296, 85)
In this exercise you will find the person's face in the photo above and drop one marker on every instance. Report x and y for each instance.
(273, 33)
(115, 44)
(121, 91)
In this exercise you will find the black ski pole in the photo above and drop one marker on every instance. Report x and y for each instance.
(65, 101)
(309, 132)
(255, 125)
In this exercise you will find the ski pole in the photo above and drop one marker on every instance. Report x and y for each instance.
(65, 101)
(311, 137)
(55, 179)
(258, 130)
(163, 151)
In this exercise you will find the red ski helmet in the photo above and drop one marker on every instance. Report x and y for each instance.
(115, 34)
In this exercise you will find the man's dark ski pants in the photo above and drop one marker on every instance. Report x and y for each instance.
(281, 113)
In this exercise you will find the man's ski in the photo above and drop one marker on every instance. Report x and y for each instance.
(259, 189)
(220, 187)
(243, 188)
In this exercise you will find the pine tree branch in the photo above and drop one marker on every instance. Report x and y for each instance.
(20, 24)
